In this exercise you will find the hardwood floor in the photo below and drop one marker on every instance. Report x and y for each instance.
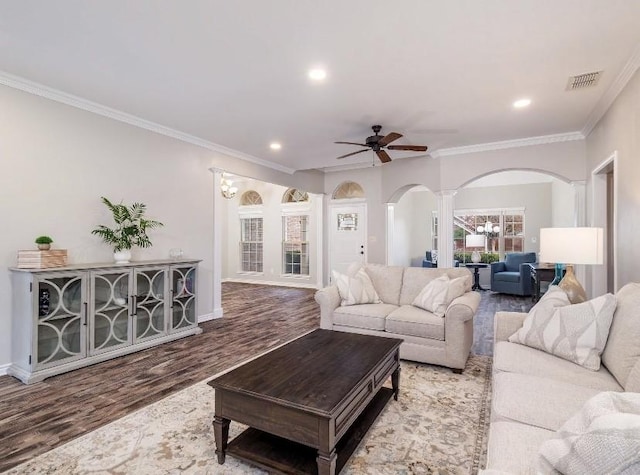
(41, 416)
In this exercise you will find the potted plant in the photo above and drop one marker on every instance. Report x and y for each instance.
(44, 243)
(130, 229)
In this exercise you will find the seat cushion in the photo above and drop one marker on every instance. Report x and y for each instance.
(622, 352)
(537, 401)
(513, 447)
(370, 316)
(387, 280)
(507, 276)
(410, 320)
(515, 358)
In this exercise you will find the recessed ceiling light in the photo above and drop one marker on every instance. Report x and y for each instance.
(317, 74)
(520, 103)
(275, 146)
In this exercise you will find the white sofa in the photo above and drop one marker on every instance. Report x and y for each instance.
(427, 338)
(535, 393)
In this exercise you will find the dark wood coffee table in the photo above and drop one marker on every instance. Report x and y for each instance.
(308, 403)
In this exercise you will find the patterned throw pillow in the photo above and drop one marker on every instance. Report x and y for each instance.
(355, 290)
(439, 293)
(604, 437)
(576, 333)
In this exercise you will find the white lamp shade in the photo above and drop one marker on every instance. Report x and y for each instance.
(572, 245)
(474, 240)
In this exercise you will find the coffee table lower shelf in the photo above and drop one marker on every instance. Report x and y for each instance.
(281, 456)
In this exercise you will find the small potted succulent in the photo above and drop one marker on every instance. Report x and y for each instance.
(44, 243)
(130, 229)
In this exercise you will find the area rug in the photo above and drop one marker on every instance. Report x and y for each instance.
(438, 425)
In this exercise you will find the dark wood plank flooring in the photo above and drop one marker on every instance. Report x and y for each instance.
(41, 416)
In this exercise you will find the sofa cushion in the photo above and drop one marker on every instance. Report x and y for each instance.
(416, 278)
(537, 401)
(603, 437)
(513, 447)
(622, 352)
(577, 333)
(387, 280)
(507, 276)
(355, 290)
(371, 316)
(438, 294)
(515, 358)
(410, 320)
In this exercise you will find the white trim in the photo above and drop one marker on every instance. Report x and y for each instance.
(390, 224)
(250, 211)
(47, 92)
(294, 282)
(610, 95)
(481, 211)
(4, 368)
(302, 208)
(352, 166)
(210, 316)
(319, 241)
(525, 142)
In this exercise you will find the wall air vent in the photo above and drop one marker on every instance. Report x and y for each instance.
(583, 80)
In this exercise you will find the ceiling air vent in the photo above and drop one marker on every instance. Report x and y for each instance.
(583, 80)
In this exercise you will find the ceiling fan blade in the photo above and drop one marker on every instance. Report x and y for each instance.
(383, 156)
(389, 138)
(353, 143)
(415, 148)
(353, 153)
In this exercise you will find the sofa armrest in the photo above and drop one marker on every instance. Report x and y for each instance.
(464, 307)
(497, 267)
(506, 324)
(525, 276)
(329, 300)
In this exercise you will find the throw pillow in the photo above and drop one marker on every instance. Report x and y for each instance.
(355, 290)
(436, 296)
(530, 333)
(604, 437)
(575, 333)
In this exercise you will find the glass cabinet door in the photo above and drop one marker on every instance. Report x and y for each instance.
(183, 301)
(150, 304)
(110, 305)
(60, 327)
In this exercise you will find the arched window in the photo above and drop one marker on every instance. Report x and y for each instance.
(293, 195)
(250, 198)
(348, 189)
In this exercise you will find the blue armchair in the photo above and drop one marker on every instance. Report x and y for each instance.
(429, 262)
(513, 275)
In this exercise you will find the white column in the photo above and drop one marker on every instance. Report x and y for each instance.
(445, 227)
(580, 203)
(390, 232)
(218, 227)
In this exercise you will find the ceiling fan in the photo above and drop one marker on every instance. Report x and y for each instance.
(378, 142)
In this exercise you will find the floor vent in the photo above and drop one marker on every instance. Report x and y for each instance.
(583, 80)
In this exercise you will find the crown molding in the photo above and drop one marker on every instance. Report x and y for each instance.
(351, 166)
(526, 142)
(47, 92)
(619, 83)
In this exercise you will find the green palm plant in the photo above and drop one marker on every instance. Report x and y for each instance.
(131, 226)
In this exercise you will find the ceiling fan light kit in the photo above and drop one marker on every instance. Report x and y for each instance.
(378, 143)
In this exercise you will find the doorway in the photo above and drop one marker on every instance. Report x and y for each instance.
(604, 210)
(347, 235)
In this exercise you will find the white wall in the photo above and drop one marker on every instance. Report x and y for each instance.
(619, 130)
(412, 227)
(563, 210)
(272, 229)
(57, 161)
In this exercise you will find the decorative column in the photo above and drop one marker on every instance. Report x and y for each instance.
(390, 216)
(445, 227)
(218, 227)
(580, 220)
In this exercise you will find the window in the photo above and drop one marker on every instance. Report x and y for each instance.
(513, 232)
(251, 241)
(250, 198)
(295, 245)
(348, 189)
(293, 195)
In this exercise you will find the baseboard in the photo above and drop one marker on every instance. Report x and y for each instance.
(300, 285)
(4, 369)
(217, 313)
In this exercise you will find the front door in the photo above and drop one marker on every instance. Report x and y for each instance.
(347, 236)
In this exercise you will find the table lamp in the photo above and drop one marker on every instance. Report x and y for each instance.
(474, 241)
(571, 246)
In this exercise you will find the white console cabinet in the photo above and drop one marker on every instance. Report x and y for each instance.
(69, 317)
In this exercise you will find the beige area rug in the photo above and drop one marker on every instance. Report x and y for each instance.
(438, 425)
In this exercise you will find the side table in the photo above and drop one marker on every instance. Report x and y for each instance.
(476, 274)
(541, 272)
